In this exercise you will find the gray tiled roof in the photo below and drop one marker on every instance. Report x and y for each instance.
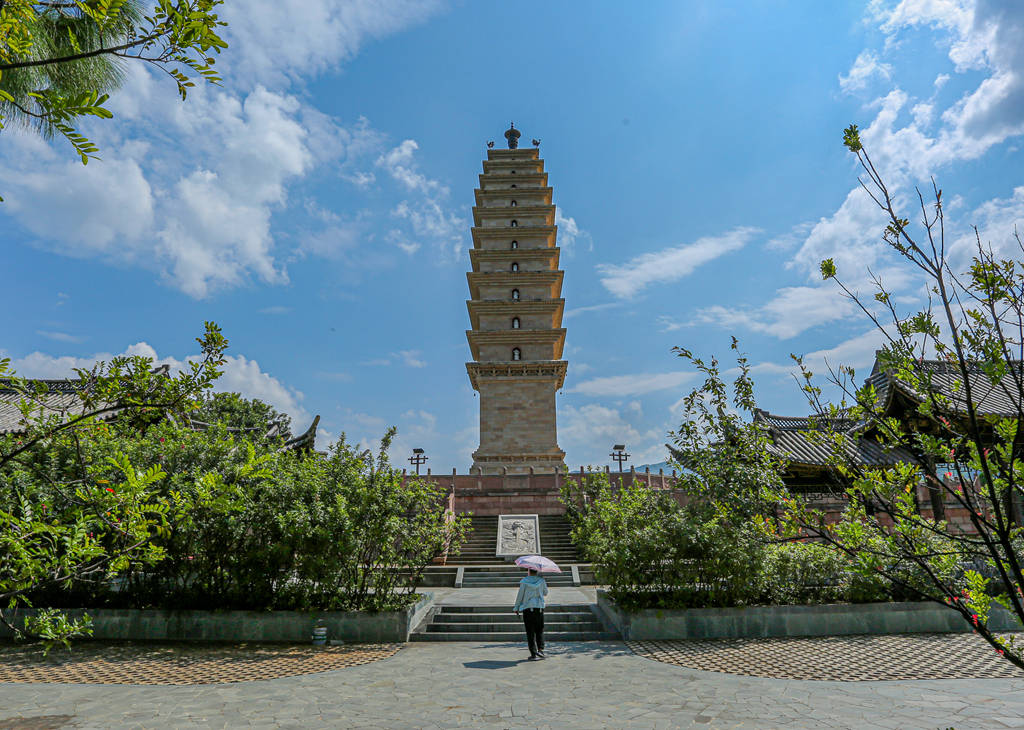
(61, 399)
(999, 399)
(791, 439)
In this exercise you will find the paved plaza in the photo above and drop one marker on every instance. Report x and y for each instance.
(586, 685)
(705, 684)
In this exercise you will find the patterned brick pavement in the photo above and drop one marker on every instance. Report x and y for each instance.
(179, 664)
(842, 658)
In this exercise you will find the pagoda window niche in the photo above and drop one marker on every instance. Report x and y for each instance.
(512, 185)
(515, 244)
(513, 204)
(515, 295)
(515, 266)
(517, 354)
(513, 223)
(515, 323)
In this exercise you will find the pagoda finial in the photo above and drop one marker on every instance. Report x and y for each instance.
(512, 135)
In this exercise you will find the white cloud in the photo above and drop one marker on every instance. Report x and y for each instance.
(637, 384)
(587, 434)
(793, 310)
(865, 68)
(411, 358)
(278, 40)
(670, 264)
(195, 202)
(399, 163)
(857, 352)
(569, 233)
(203, 226)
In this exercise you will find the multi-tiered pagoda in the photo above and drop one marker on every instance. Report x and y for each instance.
(515, 311)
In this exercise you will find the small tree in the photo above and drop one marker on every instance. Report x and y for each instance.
(959, 361)
(62, 520)
(957, 364)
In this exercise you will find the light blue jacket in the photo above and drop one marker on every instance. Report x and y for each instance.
(532, 590)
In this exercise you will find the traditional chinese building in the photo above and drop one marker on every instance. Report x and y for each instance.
(515, 311)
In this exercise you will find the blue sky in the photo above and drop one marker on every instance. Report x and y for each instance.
(317, 206)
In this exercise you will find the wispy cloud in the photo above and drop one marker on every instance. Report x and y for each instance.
(670, 264)
(276, 309)
(577, 311)
(793, 310)
(630, 385)
(60, 336)
(865, 68)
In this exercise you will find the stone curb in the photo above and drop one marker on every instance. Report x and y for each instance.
(789, 621)
(245, 626)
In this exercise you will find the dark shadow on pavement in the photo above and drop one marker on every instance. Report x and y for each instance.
(492, 664)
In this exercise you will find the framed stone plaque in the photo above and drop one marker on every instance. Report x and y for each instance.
(518, 535)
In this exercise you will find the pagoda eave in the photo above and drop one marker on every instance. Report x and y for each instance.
(516, 369)
(478, 308)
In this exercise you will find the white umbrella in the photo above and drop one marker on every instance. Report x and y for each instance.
(538, 563)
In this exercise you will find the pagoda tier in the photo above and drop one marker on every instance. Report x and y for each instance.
(515, 312)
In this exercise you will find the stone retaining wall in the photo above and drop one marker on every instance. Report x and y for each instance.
(239, 626)
(780, 621)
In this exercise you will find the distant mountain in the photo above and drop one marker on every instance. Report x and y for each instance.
(660, 465)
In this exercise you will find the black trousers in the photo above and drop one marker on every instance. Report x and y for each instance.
(533, 620)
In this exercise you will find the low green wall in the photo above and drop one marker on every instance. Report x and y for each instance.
(778, 621)
(256, 626)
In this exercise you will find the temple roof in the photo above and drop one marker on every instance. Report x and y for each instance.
(996, 399)
(792, 439)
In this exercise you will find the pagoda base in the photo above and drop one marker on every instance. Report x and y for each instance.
(492, 464)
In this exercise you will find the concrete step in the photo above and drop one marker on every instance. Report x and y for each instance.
(504, 617)
(512, 626)
(504, 608)
(517, 636)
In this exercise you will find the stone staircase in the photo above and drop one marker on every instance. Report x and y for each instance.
(499, 623)
(498, 576)
(555, 542)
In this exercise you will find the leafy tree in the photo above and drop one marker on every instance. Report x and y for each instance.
(61, 59)
(961, 356)
(236, 412)
(959, 362)
(68, 514)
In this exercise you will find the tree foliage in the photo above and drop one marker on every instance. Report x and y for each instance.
(961, 356)
(117, 499)
(69, 513)
(958, 362)
(61, 59)
(244, 414)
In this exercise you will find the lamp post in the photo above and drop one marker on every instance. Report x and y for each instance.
(619, 454)
(417, 458)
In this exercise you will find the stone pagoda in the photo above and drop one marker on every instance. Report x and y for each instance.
(515, 310)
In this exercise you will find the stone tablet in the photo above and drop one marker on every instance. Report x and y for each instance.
(518, 535)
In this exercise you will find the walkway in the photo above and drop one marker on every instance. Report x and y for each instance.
(490, 685)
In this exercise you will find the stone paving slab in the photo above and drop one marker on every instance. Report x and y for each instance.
(172, 663)
(591, 685)
(841, 658)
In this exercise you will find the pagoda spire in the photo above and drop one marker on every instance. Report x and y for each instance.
(512, 136)
(515, 310)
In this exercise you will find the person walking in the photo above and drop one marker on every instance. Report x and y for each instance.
(530, 601)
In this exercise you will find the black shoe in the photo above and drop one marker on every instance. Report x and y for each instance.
(534, 658)
(542, 655)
